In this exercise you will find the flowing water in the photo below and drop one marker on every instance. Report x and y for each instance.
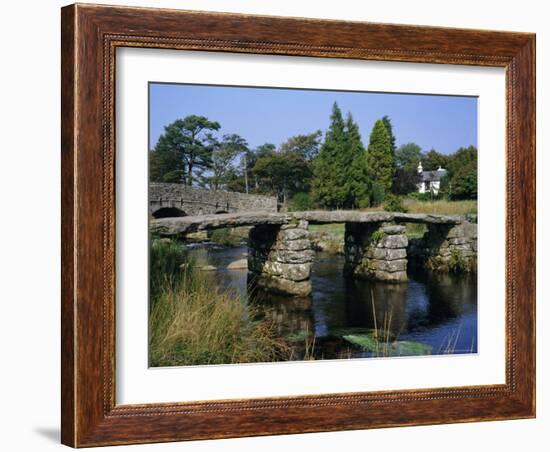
(439, 311)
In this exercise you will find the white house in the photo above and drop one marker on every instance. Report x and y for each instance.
(430, 181)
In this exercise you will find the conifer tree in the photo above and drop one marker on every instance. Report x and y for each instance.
(329, 174)
(380, 161)
(357, 180)
(389, 127)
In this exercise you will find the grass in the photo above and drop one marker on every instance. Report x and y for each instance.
(225, 237)
(335, 229)
(437, 207)
(193, 323)
(441, 207)
(413, 231)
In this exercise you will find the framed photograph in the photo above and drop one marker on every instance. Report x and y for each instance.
(281, 225)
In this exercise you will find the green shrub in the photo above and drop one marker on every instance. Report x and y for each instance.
(394, 203)
(457, 263)
(301, 201)
(376, 236)
(378, 194)
(364, 203)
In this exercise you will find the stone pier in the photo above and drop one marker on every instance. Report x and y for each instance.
(446, 248)
(376, 251)
(280, 257)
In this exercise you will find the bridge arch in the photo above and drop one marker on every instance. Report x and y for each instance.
(168, 212)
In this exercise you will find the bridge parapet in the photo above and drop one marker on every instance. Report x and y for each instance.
(191, 201)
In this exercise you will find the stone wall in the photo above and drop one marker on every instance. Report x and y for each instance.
(280, 258)
(198, 201)
(376, 251)
(446, 248)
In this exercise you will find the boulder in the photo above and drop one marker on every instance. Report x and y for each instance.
(240, 264)
(393, 229)
(284, 286)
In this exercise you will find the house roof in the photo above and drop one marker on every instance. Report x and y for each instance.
(433, 176)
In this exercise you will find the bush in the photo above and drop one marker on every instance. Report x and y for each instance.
(378, 194)
(457, 263)
(363, 203)
(301, 201)
(394, 204)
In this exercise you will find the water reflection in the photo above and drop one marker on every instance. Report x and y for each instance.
(437, 310)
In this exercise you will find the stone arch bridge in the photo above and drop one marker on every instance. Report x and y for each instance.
(376, 247)
(178, 200)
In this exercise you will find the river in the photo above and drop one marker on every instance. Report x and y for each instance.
(439, 311)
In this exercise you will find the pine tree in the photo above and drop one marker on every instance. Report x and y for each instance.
(389, 127)
(184, 150)
(329, 174)
(380, 161)
(357, 184)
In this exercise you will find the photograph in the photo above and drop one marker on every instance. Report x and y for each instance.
(279, 220)
(292, 224)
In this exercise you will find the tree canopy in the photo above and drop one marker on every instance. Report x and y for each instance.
(340, 176)
(184, 151)
(306, 146)
(334, 171)
(461, 181)
(432, 160)
(224, 153)
(380, 161)
(408, 156)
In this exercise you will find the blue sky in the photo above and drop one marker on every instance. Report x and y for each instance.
(268, 115)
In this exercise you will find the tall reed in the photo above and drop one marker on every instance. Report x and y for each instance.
(192, 322)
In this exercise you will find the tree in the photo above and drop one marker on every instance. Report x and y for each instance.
(405, 181)
(184, 150)
(165, 166)
(408, 156)
(461, 180)
(433, 160)
(283, 174)
(340, 169)
(357, 184)
(389, 127)
(223, 155)
(305, 145)
(380, 162)
(250, 182)
(329, 174)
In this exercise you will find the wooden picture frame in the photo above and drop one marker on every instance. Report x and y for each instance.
(90, 36)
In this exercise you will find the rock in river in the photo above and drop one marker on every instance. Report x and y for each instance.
(240, 264)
